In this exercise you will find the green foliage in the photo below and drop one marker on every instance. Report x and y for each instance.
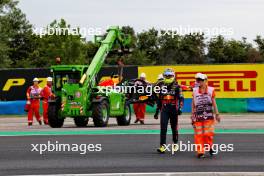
(130, 31)
(91, 49)
(5, 61)
(62, 44)
(20, 47)
(260, 42)
(15, 34)
(6, 6)
(232, 51)
(148, 45)
(192, 49)
(169, 48)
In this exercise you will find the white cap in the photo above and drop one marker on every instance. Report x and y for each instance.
(143, 75)
(49, 79)
(160, 76)
(35, 80)
(205, 76)
(200, 76)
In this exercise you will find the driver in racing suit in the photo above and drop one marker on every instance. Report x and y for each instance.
(170, 104)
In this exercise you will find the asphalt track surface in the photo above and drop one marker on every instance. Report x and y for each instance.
(127, 153)
(129, 149)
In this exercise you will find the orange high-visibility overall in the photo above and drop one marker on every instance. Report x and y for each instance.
(203, 120)
(46, 93)
(34, 92)
(140, 110)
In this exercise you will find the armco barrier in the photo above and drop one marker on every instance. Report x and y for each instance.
(237, 105)
(255, 105)
(14, 107)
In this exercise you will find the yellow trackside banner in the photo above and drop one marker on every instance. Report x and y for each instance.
(229, 81)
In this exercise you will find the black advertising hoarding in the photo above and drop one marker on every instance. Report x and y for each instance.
(14, 82)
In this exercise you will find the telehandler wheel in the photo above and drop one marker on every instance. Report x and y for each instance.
(53, 116)
(81, 121)
(125, 119)
(100, 114)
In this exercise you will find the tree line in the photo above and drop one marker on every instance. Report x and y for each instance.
(21, 47)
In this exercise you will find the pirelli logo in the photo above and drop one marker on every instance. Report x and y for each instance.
(227, 81)
(230, 80)
(18, 82)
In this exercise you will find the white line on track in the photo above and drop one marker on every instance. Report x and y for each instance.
(165, 174)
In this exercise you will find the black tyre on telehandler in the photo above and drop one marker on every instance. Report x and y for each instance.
(53, 116)
(125, 119)
(100, 113)
(81, 121)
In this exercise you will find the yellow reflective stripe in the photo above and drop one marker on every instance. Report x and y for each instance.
(209, 131)
(198, 127)
(209, 126)
(198, 132)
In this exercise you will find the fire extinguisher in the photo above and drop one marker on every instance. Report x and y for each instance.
(27, 106)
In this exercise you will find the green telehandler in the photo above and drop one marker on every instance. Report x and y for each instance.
(77, 94)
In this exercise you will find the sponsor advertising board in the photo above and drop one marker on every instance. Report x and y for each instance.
(229, 81)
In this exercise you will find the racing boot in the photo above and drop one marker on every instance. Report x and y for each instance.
(161, 149)
(200, 155)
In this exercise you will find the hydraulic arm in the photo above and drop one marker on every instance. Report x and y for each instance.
(113, 37)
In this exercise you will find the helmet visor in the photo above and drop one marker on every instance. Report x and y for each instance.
(168, 76)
